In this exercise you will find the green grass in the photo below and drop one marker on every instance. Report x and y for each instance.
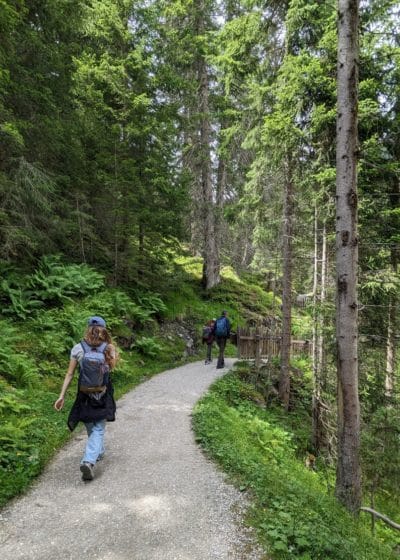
(292, 512)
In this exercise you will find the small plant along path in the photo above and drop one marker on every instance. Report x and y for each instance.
(154, 497)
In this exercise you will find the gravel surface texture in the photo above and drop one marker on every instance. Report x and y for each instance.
(155, 495)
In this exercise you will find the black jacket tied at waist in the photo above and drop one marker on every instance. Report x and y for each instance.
(88, 409)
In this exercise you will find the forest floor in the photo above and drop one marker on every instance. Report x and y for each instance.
(155, 495)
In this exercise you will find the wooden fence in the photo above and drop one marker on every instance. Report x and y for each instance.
(258, 343)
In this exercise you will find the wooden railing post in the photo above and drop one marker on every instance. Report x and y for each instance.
(257, 339)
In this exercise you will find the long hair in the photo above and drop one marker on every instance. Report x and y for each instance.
(96, 335)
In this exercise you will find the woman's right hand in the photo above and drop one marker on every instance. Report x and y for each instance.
(58, 405)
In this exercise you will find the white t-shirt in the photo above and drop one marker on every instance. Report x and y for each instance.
(77, 352)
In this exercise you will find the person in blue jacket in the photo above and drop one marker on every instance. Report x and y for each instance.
(222, 331)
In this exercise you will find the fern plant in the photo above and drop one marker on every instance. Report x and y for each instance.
(11, 402)
(147, 346)
(55, 282)
(114, 303)
(17, 300)
(16, 366)
(14, 426)
(153, 303)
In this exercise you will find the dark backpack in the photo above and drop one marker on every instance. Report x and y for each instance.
(221, 327)
(206, 332)
(94, 371)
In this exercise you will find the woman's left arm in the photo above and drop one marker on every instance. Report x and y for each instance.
(58, 405)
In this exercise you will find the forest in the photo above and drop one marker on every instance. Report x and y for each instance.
(161, 160)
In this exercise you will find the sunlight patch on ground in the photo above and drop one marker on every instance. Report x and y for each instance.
(150, 506)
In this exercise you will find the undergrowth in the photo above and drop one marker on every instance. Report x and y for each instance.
(292, 512)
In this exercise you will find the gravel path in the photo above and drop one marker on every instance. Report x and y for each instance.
(155, 496)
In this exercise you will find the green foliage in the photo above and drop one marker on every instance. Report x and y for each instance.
(16, 443)
(112, 303)
(16, 366)
(17, 449)
(29, 434)
(153, 303)
(381, 453)
(53, 283)
(289, 501)
(49, 337)
(147, 346)
(18, 302)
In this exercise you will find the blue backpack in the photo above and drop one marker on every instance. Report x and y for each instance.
(94, 371)
(221, 327)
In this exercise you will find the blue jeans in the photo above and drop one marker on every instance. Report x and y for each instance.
(95, 443)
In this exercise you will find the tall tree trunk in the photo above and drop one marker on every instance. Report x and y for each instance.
(284, 380)
(211, 268)
(391, 348)
(220, 193)
(392, 323)
(191, 165)
(316, 398)
(324, 274)
(319, 435)
(348, 479)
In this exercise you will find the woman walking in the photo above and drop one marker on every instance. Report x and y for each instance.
(94, 404)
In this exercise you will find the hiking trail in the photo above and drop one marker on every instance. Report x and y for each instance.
(155, 495)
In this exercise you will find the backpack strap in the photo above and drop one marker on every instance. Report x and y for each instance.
(86, 347)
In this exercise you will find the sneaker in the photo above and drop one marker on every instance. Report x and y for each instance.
(87, 470)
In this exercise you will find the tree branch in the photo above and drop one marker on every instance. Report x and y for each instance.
(382, 517)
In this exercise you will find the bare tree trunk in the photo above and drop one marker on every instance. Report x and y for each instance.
(392, 329)
(348, 479)
(324, 274)
(192, 168)
(284, 380)
(316, 398)
(319, 432)
(211, 258)
(390, 348)
(220, 193)
(211, 267)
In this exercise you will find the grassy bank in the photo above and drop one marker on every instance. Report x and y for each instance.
(292, 511)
